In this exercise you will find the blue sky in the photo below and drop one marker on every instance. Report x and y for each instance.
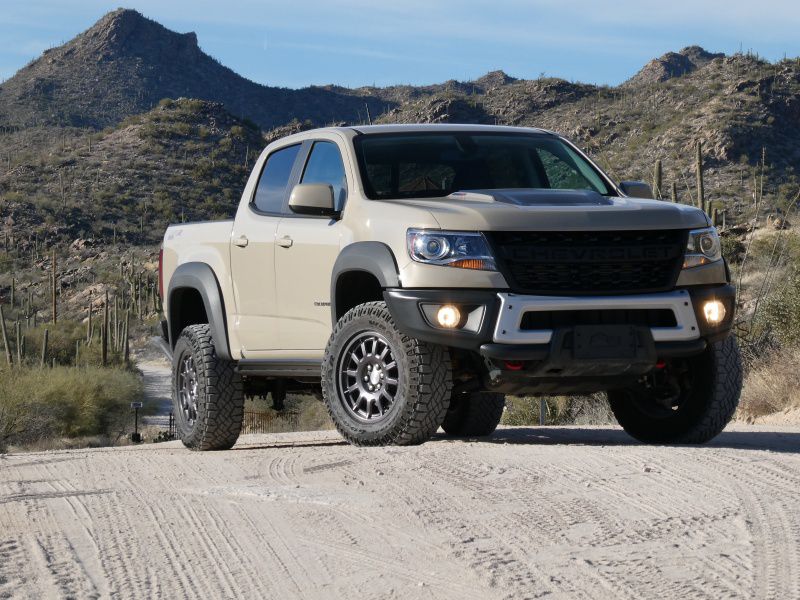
(364, 42)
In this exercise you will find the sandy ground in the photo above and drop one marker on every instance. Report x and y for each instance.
(532, 512)
(156, 376)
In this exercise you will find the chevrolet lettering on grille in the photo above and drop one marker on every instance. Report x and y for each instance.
(564, 254)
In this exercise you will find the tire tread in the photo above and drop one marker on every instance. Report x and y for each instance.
(429, 384)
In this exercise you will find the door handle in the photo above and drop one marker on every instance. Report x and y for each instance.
(241, 241)
(285, 242)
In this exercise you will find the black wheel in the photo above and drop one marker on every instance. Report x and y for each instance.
(380, 386)
(206, 393)
(689, 401)
(474, 414)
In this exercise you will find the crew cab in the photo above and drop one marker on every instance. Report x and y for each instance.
(414, 275)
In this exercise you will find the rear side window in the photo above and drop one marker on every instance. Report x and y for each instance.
(274, 179)
(325, 166)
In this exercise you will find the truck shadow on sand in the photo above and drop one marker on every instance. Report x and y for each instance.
(774, 441)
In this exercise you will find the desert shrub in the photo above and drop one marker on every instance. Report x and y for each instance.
(61, 344)
(732, 249)
(781, 312)
(37, 404)
(560, 410)
(312, 414)
(772, 385)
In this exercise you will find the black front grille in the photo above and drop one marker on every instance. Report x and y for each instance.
(555, 319)
(589, 262)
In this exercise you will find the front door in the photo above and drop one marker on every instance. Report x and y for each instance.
(305, 253)
(253, 255)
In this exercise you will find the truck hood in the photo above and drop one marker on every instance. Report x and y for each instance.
(555, 210)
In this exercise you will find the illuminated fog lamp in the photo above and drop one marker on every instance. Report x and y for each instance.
(714, 311)
(448, 316)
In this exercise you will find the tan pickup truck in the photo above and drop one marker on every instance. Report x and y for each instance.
(417, 274)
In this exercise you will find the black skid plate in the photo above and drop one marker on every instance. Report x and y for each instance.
(605, 341)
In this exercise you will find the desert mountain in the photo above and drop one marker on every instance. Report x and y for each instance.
(158, 161)
(125, 64)
(673, 64)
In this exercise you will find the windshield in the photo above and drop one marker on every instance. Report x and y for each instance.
(422, 165)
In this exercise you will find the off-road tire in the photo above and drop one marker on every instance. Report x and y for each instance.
(474, 414)
(220, 398)
(424, 382)
(717, 384)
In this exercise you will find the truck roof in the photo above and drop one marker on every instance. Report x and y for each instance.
(354, 130)
(419, 127)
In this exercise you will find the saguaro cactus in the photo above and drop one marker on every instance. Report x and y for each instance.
(44, 347)
(18, 333)
(104, 335)
(89, 323)
(5, 336)
(701, 194)
(125, 346)
(657, 180)
(53, 290)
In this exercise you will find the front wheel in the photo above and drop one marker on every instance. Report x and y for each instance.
(689, 401)
(474, 414)
(206, 393)
(382, 387)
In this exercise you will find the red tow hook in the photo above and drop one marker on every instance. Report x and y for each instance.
(514, 365)
(661, 364)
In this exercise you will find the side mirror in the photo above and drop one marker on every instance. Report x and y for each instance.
(636, 189)
(313, 199)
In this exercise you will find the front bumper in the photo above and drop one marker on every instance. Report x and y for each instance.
(495, 324)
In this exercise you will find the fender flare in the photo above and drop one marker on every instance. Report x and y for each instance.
(375, 258)
(201, 278)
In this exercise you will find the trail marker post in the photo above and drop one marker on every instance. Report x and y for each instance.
(136, 437)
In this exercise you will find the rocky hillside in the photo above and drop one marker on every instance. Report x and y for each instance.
(673, 64)
(125, 64)
(185, 159)
(736, 105)
(89, 146)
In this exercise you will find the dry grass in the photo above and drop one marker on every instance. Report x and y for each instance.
(303, 413)
(40, 406)
(559, 410)
(773, 386)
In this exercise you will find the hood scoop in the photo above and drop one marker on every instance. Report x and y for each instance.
(535, 197)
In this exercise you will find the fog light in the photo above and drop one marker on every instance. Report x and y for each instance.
(448, 316)
(714, 311)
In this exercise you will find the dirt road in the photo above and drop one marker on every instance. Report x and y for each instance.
(559, 513)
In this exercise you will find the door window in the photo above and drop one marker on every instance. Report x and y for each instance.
(325, 166)
(271, 188)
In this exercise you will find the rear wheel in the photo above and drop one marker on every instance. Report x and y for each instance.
(690, 401)
(380, 386)
(474, 414)
(207, 393)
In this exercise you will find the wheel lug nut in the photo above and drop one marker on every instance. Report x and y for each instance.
(382, 375)
(366, 378)
(369, 367)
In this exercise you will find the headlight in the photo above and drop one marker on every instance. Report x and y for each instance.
(703, 248)
(465, 250)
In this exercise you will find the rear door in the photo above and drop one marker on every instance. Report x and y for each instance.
(306, 251)
(253, 253)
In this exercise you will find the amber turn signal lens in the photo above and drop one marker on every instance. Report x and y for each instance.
(469, 263)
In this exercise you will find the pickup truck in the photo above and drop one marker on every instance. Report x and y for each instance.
(413, 275)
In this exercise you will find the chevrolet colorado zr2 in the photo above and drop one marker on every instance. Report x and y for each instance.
(419, 273)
